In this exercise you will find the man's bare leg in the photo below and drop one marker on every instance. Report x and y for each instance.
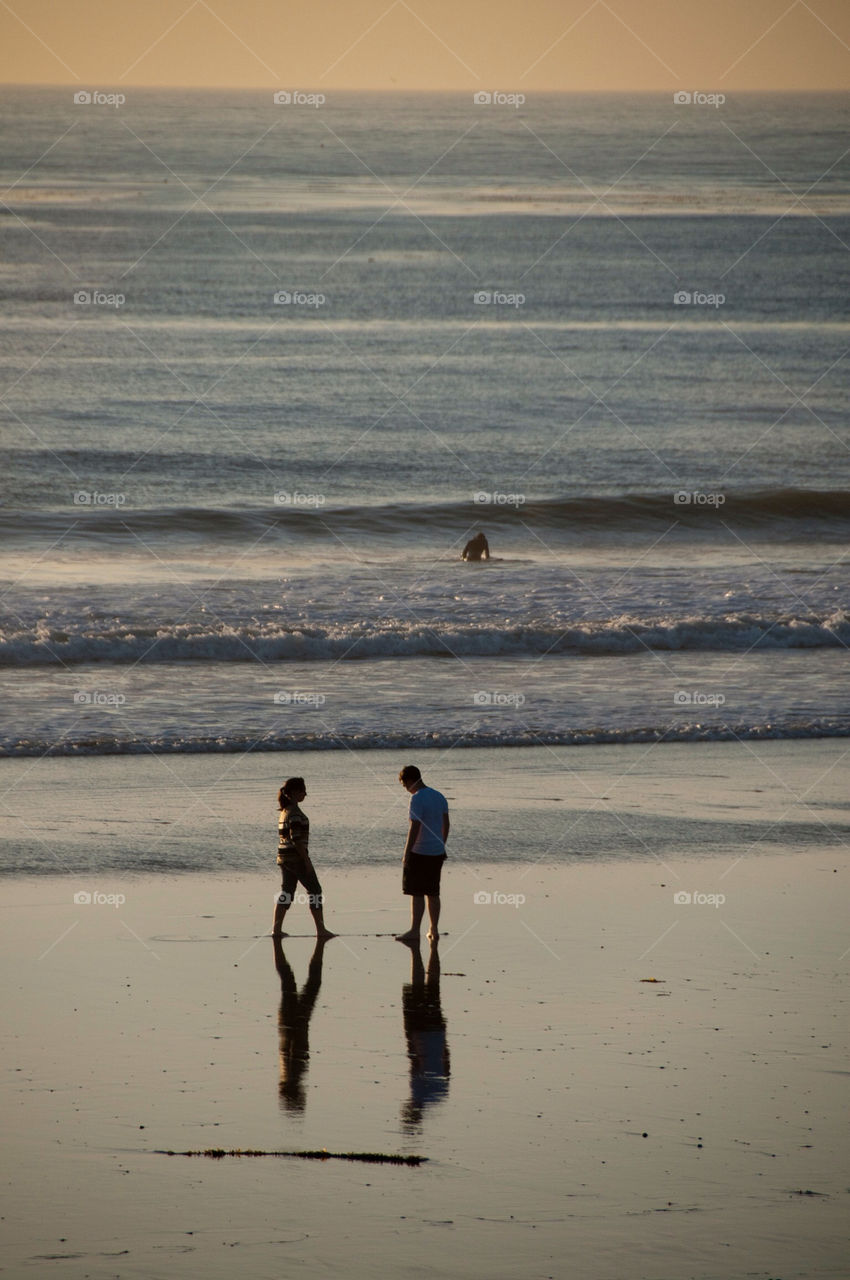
(417, 910)
(434, 916)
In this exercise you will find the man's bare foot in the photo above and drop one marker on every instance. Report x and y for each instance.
(433, 935)
(322, 935)
(278, 934)
(407, 937)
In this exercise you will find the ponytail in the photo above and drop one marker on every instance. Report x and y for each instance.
(284, 799)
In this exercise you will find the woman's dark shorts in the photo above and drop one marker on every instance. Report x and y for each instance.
(294, 873)
(420, 874)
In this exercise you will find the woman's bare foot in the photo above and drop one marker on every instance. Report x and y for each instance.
(322, 935)
(433, 935)
(278, 934)
(407, 937)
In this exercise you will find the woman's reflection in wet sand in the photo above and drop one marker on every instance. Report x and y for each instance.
(425, 1030)
(294, 1023)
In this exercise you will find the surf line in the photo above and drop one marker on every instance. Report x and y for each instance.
(366, 1157)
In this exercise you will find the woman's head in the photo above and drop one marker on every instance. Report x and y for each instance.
(291, 792)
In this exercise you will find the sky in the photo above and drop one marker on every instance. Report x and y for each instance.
(505, 45)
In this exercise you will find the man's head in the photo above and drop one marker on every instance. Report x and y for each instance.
(410, 777)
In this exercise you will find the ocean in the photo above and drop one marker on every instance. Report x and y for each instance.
(267, 367)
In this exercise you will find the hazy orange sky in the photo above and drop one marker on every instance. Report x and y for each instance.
(429, 44)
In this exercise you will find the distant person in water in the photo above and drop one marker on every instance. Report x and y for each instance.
(424, 852)
(476, 549)
(293, 858)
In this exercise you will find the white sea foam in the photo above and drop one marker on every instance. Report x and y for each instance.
(189, 642)
(97, 744)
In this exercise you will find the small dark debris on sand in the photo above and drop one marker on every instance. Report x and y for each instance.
(364, 1157)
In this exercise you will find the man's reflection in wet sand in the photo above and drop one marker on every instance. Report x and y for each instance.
(425, 1030)
(294, 1023)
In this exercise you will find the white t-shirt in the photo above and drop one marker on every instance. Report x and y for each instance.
(427, 807)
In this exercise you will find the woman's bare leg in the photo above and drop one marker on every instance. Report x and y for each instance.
(322, 932)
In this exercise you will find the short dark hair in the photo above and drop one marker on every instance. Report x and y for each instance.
(284, 796)
(410, 774)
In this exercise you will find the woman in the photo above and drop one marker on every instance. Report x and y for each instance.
(293, 858)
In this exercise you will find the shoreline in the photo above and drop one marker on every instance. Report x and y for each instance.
(305, 744)
(159, 814)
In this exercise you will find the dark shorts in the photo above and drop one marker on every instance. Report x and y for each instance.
(294, 873)
(420, 874)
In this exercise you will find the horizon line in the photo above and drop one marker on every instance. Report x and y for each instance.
(273, 87)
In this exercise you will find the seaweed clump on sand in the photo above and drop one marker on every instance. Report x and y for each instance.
(364, 1157)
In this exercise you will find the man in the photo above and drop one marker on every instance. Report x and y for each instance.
(424, 852)
(478, 548)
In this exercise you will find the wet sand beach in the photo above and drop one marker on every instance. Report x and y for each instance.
(603, 1081)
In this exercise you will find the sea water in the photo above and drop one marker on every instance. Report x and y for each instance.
(267, 367)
